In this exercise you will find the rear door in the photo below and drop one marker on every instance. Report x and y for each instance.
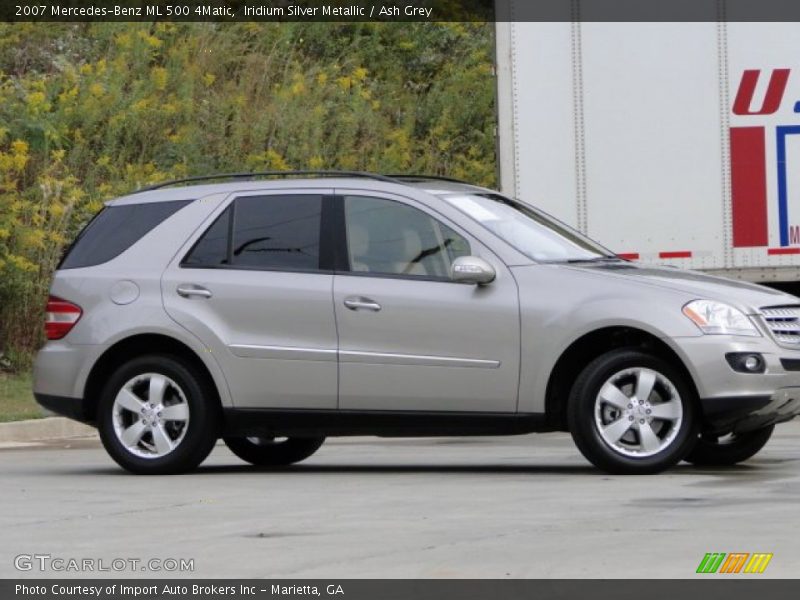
(256, 288)
(410, 339)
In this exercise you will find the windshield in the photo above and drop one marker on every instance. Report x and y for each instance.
(535, 234)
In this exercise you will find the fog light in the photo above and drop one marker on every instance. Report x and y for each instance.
(746, 362)
(752, 363)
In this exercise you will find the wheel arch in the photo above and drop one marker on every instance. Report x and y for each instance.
(138, 345)
(591, 345)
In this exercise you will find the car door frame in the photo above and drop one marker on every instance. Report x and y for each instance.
(477, 248)
(220, 348)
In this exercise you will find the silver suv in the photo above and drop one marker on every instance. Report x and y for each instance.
(273, 313)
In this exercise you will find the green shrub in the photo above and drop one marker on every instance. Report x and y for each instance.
(90, 111)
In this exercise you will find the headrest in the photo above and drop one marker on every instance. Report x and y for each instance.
(358, 240)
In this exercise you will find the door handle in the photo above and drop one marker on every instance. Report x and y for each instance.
(359, 302)
(188, 291)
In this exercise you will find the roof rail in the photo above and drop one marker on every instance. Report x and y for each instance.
(402, 177)
(256, 175)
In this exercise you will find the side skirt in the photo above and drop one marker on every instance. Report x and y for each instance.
(265, 422)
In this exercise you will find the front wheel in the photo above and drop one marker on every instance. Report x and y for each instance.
(723, 451)
(273, 452)
(630, 412)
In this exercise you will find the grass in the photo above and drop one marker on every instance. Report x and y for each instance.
(16, 398)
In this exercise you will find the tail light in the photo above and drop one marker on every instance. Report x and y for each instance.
(60, 317)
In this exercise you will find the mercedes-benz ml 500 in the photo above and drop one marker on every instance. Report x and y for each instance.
(274, 313)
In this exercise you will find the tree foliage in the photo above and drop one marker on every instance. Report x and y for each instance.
(90, 111)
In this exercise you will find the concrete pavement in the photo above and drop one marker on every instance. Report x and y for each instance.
(527, 506)
(49, 428)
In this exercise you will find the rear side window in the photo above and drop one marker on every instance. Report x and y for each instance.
(268, 232)
(211, 250)
(114, 230)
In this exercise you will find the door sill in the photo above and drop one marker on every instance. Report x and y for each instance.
(272, 422)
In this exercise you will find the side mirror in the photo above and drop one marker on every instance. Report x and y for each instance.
(471, 269)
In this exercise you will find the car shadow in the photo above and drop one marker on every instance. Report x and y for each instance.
(378, 469)
(311, 469)
(423, 469)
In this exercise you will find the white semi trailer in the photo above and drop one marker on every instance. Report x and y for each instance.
(671, 143)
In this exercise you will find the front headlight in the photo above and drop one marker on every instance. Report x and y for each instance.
(719, 318)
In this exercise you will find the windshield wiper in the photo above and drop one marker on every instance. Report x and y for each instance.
(594, 259)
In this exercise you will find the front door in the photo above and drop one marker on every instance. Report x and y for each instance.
(410, 339)
(257, 292)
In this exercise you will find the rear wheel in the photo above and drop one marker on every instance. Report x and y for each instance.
(273, 452)
(630, 412)
(713, 450)
(157, 416)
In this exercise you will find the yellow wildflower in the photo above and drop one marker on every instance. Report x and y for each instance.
(19, 147)
(150, 40)
(345, 83)
(159, 77)
(36, 101)
(298, 87)
(123, 40)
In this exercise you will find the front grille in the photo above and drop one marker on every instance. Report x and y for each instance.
(784, 323)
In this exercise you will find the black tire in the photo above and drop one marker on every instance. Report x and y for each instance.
(582, 411)
(710, 450)
(201, 430)
(268, 452)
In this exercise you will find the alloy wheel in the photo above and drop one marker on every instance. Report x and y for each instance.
(638, 412)
(150, 415)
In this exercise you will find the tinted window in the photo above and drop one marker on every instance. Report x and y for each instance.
(269, 232)
(391, 238)
(277, 232)
(212, 249)
(114, 230)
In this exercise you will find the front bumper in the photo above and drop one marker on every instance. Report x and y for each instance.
(737, 402)
(747, 413)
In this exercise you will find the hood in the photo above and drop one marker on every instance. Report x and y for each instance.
(748, 296)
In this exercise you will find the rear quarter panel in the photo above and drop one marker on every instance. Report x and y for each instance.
(105, 322)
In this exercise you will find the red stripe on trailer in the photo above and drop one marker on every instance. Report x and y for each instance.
(629, 255)
(749, 187)
(774, 251)
(680, 254)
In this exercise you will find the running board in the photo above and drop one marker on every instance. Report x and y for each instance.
(266, 422)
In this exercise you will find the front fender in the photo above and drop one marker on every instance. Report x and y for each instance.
(562, 309)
